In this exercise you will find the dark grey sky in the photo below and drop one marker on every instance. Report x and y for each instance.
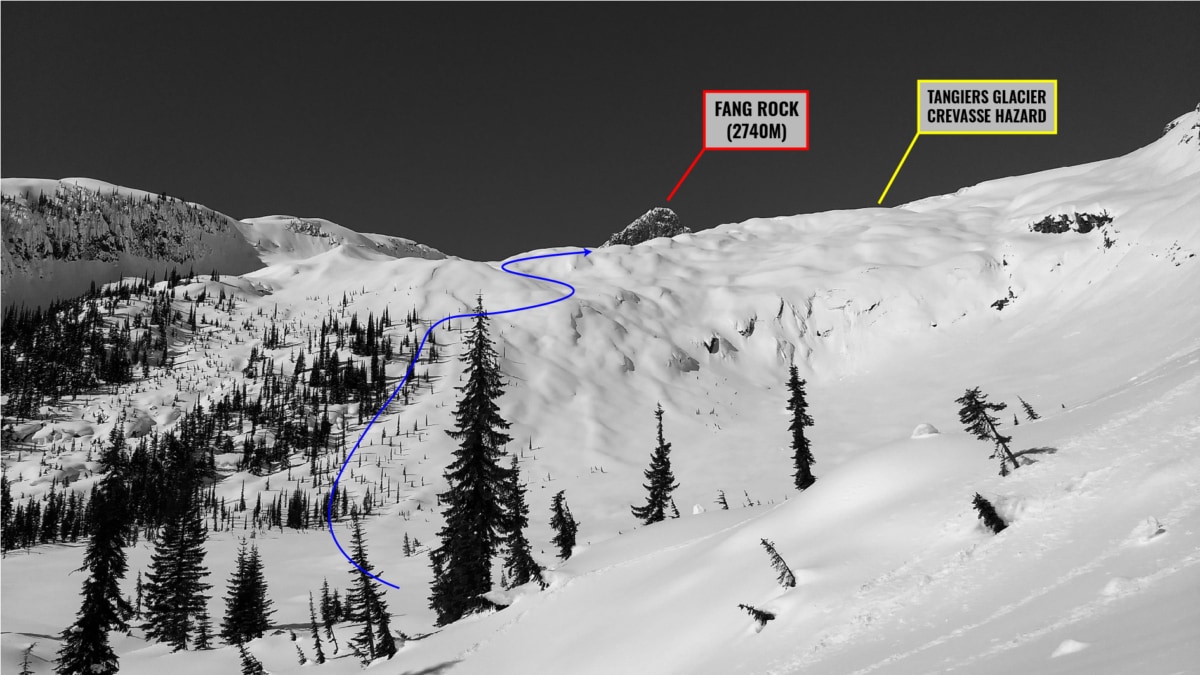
(487, 130)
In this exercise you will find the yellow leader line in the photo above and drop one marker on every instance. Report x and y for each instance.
(899, 166)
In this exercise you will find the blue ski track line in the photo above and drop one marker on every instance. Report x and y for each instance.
(411, 369)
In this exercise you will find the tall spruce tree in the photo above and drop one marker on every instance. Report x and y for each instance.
(802, 457)
(475, 517)
(85, 647)
(564, 525)
(366, 605)
(662, 481)
(518, 560)
(248, 606)
(174, 590)
(975, 414)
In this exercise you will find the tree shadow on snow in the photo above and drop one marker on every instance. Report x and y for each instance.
(1023, 455)
(433, 670)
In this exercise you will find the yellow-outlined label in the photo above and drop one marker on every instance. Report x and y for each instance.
(984, 111)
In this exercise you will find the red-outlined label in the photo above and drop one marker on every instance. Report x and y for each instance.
(756, 119)
(752, 119)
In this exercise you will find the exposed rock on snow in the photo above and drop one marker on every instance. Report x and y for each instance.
(655, 223)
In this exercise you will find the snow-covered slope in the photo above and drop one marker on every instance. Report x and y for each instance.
(890, 315)
(288, 239)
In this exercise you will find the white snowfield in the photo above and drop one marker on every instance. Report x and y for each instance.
(890, 316)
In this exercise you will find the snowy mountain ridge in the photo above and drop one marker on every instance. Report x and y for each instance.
(889, 314)
(61, 235)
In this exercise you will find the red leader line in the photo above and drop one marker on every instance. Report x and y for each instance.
(685, 173)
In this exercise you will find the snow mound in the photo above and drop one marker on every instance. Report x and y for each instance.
(925, 430)
(1069, 647)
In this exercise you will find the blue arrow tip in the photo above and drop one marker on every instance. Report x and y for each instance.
(587, 252)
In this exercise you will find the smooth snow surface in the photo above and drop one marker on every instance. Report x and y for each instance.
(890, 315)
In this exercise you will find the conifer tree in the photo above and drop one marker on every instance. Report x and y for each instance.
(987, 513)
(366, 605)
(85, 647)
(25, 654)
(662, 481)
(721, 501)
(250, 665)
(802, 457)
(760, 616)
(785, 576)
(316, 633)
(975, 414)
(475, 518)
(329, 614)
(564, 524)
(518, 562)
(174, 590)
(203, 630)
(1030, 413)
(248, 607)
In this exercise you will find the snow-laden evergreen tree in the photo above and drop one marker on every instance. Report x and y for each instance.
(174, 589)
(519, 564)
(987, 513)
(366, 605)
(975, 414)
(721, 501)
(316, 632)
(85, 647)
(248, 606)
(564, 524)
(475, 517)
(785, 576)
(662, 481)
(802, 457)
(1030, 413)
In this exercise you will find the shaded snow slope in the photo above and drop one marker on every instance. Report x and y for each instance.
(60, 236)
(890, 314)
